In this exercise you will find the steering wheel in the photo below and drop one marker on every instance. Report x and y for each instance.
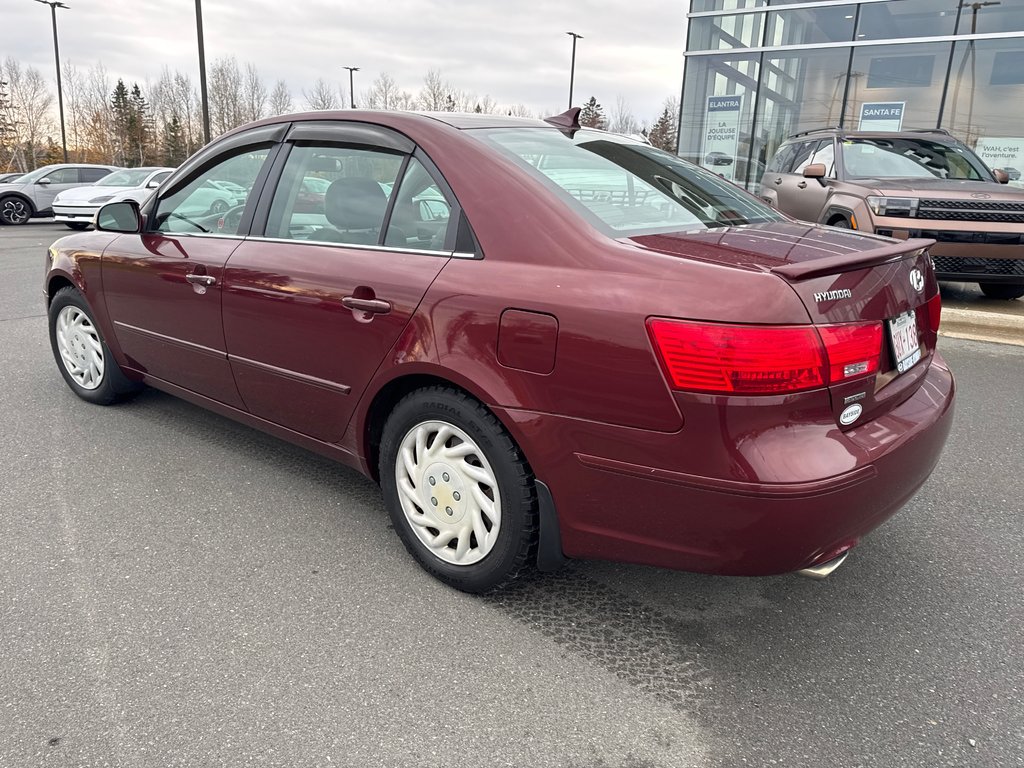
(229, 221)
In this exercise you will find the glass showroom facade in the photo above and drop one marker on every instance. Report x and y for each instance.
(758, 71)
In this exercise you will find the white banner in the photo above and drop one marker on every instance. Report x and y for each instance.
(881, 116)
(722, 135)
(1007, 154)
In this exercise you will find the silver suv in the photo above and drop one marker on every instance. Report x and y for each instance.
(32, 195)
(908, 184)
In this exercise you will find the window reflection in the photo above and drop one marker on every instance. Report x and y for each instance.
(724, 32)
(905, 18)
(913, 74)
(810, 25)
(987, 77)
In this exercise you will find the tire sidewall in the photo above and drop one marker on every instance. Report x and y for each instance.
(109, 390)
(507, 554)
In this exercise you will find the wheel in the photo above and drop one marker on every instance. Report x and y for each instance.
(14, 210)
(219, 206)
(1002, 290)
(840, 223)
(82, 356)
(76, 225)
(458, 489)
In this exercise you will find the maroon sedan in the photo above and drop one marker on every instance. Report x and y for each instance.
(543, 342)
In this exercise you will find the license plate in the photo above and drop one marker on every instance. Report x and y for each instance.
(903, 334)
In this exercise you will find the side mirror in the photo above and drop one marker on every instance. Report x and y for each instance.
(44, 182)
(153, 184)
(1002, 176)
(815, 171)
(119, 217)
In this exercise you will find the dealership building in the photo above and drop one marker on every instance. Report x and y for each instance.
(758, 71)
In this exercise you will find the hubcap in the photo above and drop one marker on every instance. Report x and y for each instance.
(80, 347)
(14, 211)
(448, 492)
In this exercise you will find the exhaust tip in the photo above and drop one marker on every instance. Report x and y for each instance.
(823, 570)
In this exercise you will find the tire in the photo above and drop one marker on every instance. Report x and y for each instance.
(468, 515)
(1002, 290)
(78, 226)
(840, 223)
(15, 210)
(82, 355)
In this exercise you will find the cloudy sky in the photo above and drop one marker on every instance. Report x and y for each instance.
(517, 52)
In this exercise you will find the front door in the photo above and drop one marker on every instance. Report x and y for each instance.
(799, 196)
(311, 309)
(164, 287)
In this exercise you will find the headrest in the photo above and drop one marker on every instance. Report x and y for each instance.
(355, 203)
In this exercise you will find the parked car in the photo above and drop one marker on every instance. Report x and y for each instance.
(76, 207)
(669, 373)
(718, 158)
(7, 177)
(31, 195)
(905, 185)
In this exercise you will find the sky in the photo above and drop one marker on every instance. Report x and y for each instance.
(517, 52)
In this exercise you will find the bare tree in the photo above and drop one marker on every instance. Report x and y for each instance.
(433, 95)
(227, 98)
(281, 99)
(72, 85)
(384, 93)
(621, 119)
(30, 105)
(519, 110)
(322, 96)
(255, 93)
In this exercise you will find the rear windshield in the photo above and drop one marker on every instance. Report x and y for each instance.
(624, 187)
(899, 158)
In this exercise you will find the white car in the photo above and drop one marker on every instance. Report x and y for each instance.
(75, 208)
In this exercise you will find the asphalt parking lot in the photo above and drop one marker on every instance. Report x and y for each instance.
(179, 590)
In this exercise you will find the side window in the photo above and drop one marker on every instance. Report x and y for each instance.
(333, 194)
(783, 159)
(63, 176)
(802, 156)
(826, 155)
(213, 201)
(421, 213)
(90, 175)
(158, 179)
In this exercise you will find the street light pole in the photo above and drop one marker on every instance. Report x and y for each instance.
(203, 95)
(54, 5)
(351, 90)
(572, 68)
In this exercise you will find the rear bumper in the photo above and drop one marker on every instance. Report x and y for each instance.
(610, 507)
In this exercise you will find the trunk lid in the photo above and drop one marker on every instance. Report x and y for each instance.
(841, 278)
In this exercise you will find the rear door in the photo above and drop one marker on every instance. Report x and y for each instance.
(314, 303)
(164, 287)
(46, 188)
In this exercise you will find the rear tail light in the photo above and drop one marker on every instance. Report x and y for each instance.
(763, 360)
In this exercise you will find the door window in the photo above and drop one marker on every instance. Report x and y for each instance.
(89, 175)
(421, 213)
(333, 194)
(63, 176)
(803, 154)
(213, 201)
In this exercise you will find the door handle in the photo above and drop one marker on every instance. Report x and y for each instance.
(205, 280)
(376, 306)
(802, 185)
(778, 180)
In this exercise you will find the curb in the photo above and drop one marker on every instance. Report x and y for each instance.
(995, 327)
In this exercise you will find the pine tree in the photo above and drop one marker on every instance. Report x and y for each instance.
(120, 109)
(592, 115)
(175, 149)
(139, 128)
(663, 132)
